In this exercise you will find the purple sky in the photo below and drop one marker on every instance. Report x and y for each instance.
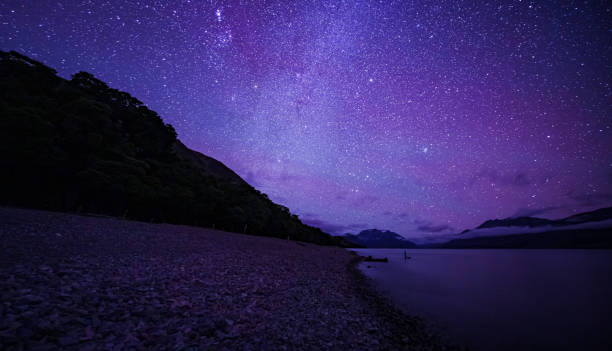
(411, 116)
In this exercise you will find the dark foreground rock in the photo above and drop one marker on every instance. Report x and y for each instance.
(90, 283)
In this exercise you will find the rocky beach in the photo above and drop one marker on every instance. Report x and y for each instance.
(88, 283)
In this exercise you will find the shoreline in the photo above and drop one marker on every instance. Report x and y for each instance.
(80, 282)
(406, 331)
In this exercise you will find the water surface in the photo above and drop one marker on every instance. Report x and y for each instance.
(504, 299)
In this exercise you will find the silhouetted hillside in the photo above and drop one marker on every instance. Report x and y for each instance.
(78, 145)
(374, 238)
(592, 216)
(554, 239)
(598, 215)
(516, 222)
(586, 230)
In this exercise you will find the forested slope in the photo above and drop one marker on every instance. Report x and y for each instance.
(77, 145)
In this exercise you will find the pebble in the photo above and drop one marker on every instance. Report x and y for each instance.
(159, 286)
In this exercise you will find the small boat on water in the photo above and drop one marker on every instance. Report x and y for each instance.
(372, 259)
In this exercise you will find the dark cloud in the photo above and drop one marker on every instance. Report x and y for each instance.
(325, 226)
(421, 222)
(308, 214)
(296, 128)
(591, 199)
(433, 228)
(402, 216)
(356, 226)
(365, 200)
(356, 199)
(520, 179)
(530, 212)
(332, 228)
(427, 226)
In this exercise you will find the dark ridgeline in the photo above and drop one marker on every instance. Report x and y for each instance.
(374, 238)
(564, 233)
(78, 145)
(554, 239)
(592, 216)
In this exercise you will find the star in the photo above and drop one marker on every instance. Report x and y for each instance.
(450, 114)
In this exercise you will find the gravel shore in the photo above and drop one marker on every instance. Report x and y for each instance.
(91, 283)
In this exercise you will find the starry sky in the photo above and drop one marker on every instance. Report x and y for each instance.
(421, 117)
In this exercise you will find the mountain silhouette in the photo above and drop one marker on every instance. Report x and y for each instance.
(374, 238)
(80, 146)
(592, 216)
(601, 214)
(588, 230)
(516, 222)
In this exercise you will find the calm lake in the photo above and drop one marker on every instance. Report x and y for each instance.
(503, 299)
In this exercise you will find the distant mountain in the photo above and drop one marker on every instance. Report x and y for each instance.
(584, 230)
(78, 145)
(373, 238)
(515, 222)
(601, 214)
(554, 239)
(593, 216)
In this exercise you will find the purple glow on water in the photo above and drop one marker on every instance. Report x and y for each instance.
(504, 299)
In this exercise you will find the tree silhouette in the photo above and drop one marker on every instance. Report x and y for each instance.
(78, 145)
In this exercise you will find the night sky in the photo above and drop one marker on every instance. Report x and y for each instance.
(412, 116)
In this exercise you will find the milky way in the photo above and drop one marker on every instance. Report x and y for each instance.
(412, 116)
